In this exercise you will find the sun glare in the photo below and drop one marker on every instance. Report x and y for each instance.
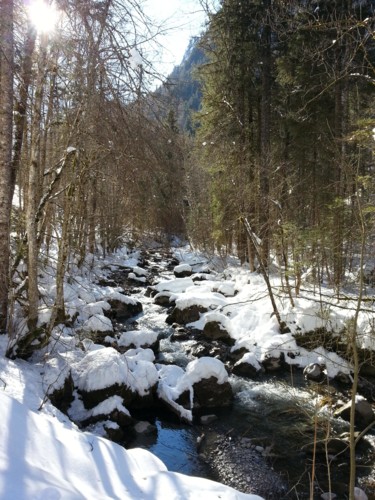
(43, 15)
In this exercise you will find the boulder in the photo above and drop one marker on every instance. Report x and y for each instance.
(214, 349)
(144, 427)
(185, 316)
(63, 396)
(179, 334)
(150, 291)
(214, 330)
(314, 372)
(208, 419)
(163, 299)
(364, 414)
(247, 366)
(208, 393)
(123, 310)
(114, 432)
(271, 363)
(183, 271)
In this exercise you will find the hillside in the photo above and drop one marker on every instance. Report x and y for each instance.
(180, 95)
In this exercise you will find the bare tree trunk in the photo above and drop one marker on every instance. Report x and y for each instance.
(6, 124)
(33, 195)
(58, 312)
(21, 102)
(265, 135)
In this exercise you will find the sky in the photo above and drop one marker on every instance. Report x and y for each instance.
(181, 20)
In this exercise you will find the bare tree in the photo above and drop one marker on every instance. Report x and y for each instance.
(6, 124)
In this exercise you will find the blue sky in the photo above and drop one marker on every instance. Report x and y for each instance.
(180, 19)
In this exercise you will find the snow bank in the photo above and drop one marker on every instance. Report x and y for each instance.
(42, 458)
(197, 297)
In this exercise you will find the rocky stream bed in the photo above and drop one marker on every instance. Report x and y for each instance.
(256, 433)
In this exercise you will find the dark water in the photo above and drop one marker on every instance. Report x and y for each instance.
(283, 416)
(176, 445)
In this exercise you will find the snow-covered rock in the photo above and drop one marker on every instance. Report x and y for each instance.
(247, 366)
(139, 339)
(183, 271)
(123, 307)
(98, 323)
(105, 372)
(204, 384)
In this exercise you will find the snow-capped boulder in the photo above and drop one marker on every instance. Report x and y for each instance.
(179, 285)
(204, 384)
(209, 393)
(144, 427)
(111, 409)
(248, 366)
(364, 414)
(210, 385)
(105, 372)
(123, 307)
(98, 323)
(183, 271)
(135, 339)
(164, 299)
(187, 315)
(215, 330)
(227, 288)
(314, 372)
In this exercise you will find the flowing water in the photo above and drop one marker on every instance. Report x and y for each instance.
(282, 415)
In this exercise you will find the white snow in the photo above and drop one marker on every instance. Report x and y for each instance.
(205, 368)
(135, 277)
(44, 455)
(98, 323)
(181, 268)
(177, 285)
(137, 338)
(139, 271)
(174, 381)
(106, 367)
(108, 406)
(115, 294)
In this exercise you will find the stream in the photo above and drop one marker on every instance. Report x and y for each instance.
(263, 443)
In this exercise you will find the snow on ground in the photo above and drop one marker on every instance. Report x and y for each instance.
(250, 320)
(44, 455)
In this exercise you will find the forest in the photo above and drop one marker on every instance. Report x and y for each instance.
(259, 147)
